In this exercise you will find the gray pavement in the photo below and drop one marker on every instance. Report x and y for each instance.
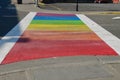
(67, 68)
(108, 23)
(82, 7)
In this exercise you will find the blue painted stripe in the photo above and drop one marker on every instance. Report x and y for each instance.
(56, 18)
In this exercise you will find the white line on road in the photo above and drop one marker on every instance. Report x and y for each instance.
(106, 36)
(116, 18)
(7, 42)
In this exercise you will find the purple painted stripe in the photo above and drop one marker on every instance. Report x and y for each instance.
(51, 14)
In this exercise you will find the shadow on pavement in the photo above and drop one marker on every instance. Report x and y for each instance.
(8, 16)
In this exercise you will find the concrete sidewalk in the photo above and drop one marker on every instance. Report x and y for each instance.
(63, 68)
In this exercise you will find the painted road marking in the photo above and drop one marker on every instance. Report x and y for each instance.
(116, 18)
(7, 42)
(55, 35)
(110, 13)
(109, 38)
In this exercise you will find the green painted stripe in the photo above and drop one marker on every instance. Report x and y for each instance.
(60, 22)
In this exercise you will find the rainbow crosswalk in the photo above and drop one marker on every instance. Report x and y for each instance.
(57, 35)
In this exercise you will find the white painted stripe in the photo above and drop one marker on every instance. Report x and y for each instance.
(106, 36)
(116, 18)
(9, 40)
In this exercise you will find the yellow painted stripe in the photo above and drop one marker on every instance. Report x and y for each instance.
(58, 27)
